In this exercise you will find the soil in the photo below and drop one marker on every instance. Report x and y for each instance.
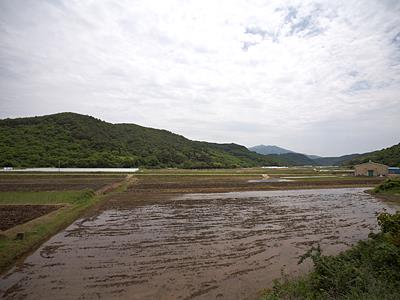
(56, 182)
(13, 215)
(155, 245)
(204, 184)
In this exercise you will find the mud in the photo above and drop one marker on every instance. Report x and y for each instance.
(217, 184)
(193, 246)
(55, 182)
(12, 215)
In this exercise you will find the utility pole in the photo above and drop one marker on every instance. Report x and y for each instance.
(59, 166)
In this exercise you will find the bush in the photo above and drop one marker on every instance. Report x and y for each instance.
(369, 270)
(389, 185)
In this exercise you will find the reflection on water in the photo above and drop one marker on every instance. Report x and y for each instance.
(195, 246)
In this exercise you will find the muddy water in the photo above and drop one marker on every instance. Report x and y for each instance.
(196, 246)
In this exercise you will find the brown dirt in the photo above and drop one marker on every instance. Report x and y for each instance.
(56, 182)
(207, 184)
(156, 242)
(12, 215)
(195, 246)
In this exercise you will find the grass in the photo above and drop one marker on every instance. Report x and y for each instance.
(40, 229)
(368, 270)
(390, 186)
(73, 203)
(47, 197)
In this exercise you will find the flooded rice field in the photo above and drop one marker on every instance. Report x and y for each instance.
(193, 246)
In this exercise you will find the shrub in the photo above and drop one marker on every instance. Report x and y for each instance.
(369, 270)
(389, 185)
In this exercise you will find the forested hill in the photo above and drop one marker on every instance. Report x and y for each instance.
(77, 140)
(388, 156)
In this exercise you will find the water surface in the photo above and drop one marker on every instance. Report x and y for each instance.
(195, 246)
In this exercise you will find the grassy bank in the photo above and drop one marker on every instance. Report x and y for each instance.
(389, 187)
(72, 204)
(369, 270)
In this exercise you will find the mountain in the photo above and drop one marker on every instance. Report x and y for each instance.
(313, 156)
(75, 140)
(269, 149)
(293, 159)
(288, 156)
(334, 161)
(389, 156)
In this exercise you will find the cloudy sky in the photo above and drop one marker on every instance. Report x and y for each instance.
(319, 77)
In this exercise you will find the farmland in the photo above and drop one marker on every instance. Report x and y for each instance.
(37, 206)
(192, 234)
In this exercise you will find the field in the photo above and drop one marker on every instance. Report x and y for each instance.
(13, 215)
(171, 233)
(16, 182)
(225, 180)
(368, 270)
(38, 206)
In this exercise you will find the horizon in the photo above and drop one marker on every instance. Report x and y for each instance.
(313, 77)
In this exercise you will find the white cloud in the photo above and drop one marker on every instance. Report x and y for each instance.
(315, 76)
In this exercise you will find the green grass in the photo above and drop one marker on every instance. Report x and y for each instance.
(369, 270)
(390, 186)
(48, 197)
(38, 230)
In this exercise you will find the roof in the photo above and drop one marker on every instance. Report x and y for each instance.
(371, 163)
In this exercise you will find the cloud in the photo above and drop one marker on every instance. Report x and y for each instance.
(292, 73)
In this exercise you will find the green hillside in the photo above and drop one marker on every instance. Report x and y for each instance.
(294, 159)
(82, 141)
(334, 161)
(388, 156)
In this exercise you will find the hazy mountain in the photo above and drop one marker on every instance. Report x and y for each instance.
(334, 161)
(313, 156)
(293, 159)
(269, 149)
(289, 156)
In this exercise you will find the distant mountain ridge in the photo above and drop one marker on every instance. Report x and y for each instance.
(291, 157)
(74, 140)
(389, 156)
(269, 149)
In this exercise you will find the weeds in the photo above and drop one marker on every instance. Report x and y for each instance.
(391, 185)
(369, 270)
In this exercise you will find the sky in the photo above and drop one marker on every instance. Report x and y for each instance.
(317, 77)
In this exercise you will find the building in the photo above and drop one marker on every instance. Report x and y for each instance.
(371, 169)
(394, 171)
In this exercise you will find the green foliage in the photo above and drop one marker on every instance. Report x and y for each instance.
(389, 156)
(42, 228)
(75, 140)
(391, 185)
(294, 159)
(369, 270)
(334, 161)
